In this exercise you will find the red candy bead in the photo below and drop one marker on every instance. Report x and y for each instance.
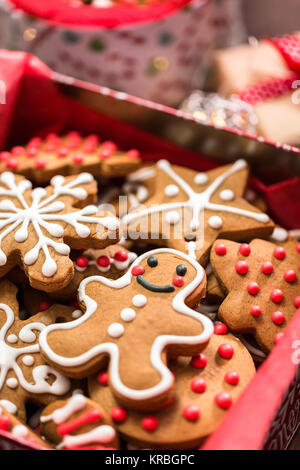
(78, 158)
(32, 152)
(277, 296)
(278, 318)
(232, 378)
(297, 301)
(137, 270)
(241, 267)
(118, 414)
(199, 362)
(253, 288)
(133, 153)
(223, 400)
(220, 249)
(12, 163)
(149, 423)
(44, 306)
(178, 281)
(4, 423)
(290, 275)
(191, 412)
(121, 256)
(225, 351)
(40, 163)
(103, 261)
(198, 385)
(277, 337)
(220, 329)
(4, 156)
(298, 247)
(255, 310)
(279, 252)
(267, 267)
(17, 150)
(82, 262)
(103, 378)
(49, 148)
(63, 152)
(245, 249)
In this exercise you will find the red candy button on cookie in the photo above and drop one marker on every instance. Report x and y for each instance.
(232, 378)
(191, 412)
(277, 296)
(103, 378)
(137, 270)
(103, 261)
(245, 249)
(82, 262)
(220, 249)
(255, 310)
(241, 267)
(121, 256)
(118, 414)
(278, 318)
(225, 351)
(223, 400)
(178, 281)
(290, 275)
(220, 329)
(199, 361)
(267, 267)
(253, 288)
(198, 385)
(279, 252)
(150, 423)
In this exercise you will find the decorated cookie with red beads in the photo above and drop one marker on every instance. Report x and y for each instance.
(78, 424)
(261, 280)
(39, 226)
(25, 376)
(205, 388)
(71, 154)
(12, 427)
(135, 322)
(190, 209)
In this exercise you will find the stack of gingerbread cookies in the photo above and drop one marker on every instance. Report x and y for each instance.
(135, 299)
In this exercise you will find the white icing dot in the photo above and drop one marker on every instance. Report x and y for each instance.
(201, 178)
(76, 314)
(9, 406)
(279, 234)
(128, 314)
(215, 222)
(227, 195)
(12, 382)
(12, 338)
(172, 217)
(20, 430)
(139, 300)
(115, 330)
(28, 360)
(171, 190)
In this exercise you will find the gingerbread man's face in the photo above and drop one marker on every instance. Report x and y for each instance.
(136, 321)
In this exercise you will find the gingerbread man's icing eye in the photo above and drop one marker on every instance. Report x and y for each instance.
(181, 270)
(152, 261)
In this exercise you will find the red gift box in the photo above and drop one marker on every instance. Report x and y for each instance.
(38, 101)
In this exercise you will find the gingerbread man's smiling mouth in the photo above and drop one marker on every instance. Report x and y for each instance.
(153, 287)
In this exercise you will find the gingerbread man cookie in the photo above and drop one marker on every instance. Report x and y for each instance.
(41, 159)
(24, 374)
(12, 425)
(37, 227)
(262, 284)
(189, 210)
(136, 321)
(78, 424)
(205, 388)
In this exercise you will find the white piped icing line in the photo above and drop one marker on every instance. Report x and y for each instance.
(197, 202)
(159, 343)
(120, 265)
(9, 356)
(41, 215)
(9, 406)
(76, 403)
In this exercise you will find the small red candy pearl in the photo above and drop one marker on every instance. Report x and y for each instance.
(278, 318)
(118, 414)
(133, 153)
(40, 163)
(297, 301)
(178, 281)
(103, 261)
(279, 252)
(78, 158)
(32, 152)
(4, 156)
(121, 256)
(267, 267)
(149, 423)
(108, 148)
(253, 288)
(103, 378)
(82, 262)
(137, 270)
(199, 362)
(17, 150)
(245, 249)
(220, 249)
(220, 329)
(225, 351)
(49, 148)
(35, 142)
(277, 337)
(4, 423)
(191, 412)
(298, 247)
(198, 385)
(232, 378)
(290, 275)
(241, 267)
(277, 296)
(12, 163)
(63, 152)
(255, 310)
(44, 306)
(223, 400)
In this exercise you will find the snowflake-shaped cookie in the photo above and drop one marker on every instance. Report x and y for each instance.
(24, 374)
(35, 224)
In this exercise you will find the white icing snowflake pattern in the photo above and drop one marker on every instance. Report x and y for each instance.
(41, 214)
(9, 356)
